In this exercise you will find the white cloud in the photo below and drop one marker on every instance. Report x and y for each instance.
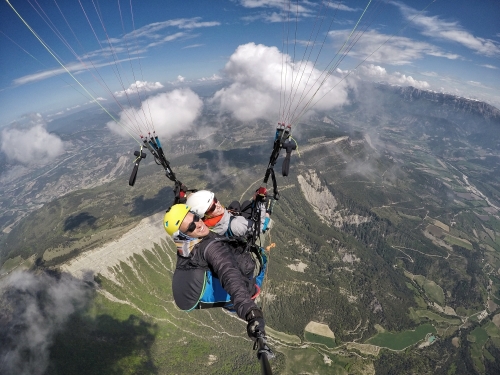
(74, 68)
(260, 75)
(477, 84)
(110, 51)
(169, 113)
(168, 38)
(35, 307)
(262, 3)
(138, 87)
(74, 107)
(152, 30)
(214, 77)
(143, 39)
(389, 49)
(430, 74)
(179, 81)
(285, 10)
(377, 73)
(435, 27)
(340, 6)
(489, 66)
(296, 10)
(38, 146)
(193, 46)
(100, 99)
(285, 6)
(266, 17)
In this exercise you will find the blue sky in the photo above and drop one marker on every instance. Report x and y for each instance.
(452, 46)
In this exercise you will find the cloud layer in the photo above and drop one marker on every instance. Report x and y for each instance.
(389, 49)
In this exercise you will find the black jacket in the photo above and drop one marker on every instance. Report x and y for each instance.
(228, 261)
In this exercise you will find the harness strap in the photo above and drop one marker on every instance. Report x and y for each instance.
(229, 232)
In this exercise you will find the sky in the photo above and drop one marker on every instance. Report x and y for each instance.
(95, 53)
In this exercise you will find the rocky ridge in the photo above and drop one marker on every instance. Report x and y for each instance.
(324, 203)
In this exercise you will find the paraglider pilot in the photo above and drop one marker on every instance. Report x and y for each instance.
(213, 270)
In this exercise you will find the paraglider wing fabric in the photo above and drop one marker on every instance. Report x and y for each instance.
(187, 287)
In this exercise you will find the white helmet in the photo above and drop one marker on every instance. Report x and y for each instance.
(200, 201)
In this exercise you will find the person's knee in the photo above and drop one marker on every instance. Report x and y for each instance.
(246, 209)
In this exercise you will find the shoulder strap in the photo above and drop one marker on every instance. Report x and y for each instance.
(229, 231)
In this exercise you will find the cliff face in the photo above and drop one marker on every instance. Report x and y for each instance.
(324, 203)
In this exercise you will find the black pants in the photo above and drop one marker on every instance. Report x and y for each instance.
(244, 209)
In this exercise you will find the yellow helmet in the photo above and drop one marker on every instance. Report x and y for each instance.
(174, 216)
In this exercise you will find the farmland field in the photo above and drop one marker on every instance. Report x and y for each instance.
(311, 337)
(401, 340)
(441, 225)
(416, 314)
(458, 241)
(435, 231)
(433, 291)
(492, 329)
(478, 337)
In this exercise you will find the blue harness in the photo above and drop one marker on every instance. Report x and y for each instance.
(214, 295)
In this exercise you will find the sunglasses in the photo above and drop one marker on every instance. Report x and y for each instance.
(192, 225)
(212, 207)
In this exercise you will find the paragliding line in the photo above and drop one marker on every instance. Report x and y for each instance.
(330, 70)
(64, 67)
(366, 58)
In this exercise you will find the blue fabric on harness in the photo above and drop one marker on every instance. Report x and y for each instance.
(215, 296)
(266, 224)
(260, 277)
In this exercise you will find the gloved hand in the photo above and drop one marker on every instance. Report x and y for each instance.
(256, 323)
